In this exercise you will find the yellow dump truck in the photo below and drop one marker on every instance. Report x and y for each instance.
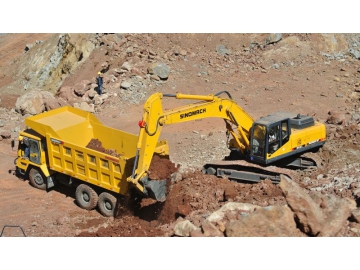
(54, 149)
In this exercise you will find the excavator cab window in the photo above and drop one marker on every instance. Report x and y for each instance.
(258, 144)
(274, 138)
(285, 132)
(278, 135)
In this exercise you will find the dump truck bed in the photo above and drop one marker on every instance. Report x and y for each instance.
(68, 131)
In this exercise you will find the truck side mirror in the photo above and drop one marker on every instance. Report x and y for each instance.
(12, 144)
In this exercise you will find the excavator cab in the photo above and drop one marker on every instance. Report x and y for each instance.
(282, 137)
(267, 138)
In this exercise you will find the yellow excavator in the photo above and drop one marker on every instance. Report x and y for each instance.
(261, 149)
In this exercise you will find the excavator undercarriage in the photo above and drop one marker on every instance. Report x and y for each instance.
(244, 171)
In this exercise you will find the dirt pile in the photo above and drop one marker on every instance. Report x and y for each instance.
(193, 196)
(161, 168)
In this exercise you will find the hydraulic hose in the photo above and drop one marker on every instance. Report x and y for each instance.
(226, 92)
(157, 124)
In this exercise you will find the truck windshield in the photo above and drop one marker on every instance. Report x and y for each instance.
(34, 151)
(258, 140)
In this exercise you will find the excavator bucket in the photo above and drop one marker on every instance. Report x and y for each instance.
(156, 189)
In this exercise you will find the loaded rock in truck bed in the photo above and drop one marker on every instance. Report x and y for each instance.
(96, 145)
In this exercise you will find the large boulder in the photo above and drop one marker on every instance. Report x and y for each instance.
(53, 103)
(269, 221)
(308, 214)
(82, 87)
(233, 208)
(32, 102)
(68, 94)
(336, 212)
(184, 228)
(98, 100)
(47, 95)
(210, 230)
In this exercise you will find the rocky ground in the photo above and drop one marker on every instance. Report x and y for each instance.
(311, 74)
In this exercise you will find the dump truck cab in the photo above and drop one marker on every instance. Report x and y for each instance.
(36, 151)
(34, 163)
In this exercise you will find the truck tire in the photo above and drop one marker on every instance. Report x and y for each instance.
(37, 179)
(107, 204)
(210, 171)
(86, 197)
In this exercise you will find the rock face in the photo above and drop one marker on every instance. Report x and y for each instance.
(45, 65)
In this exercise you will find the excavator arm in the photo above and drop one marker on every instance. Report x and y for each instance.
(154, 118)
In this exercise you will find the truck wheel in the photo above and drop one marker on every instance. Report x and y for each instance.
(86, 197)
(37, 179)
(107, 204)
(210, 171)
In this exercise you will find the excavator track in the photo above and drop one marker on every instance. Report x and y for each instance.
(243, 171)
(314, 158)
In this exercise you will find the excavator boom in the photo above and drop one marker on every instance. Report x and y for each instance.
(154, 118)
